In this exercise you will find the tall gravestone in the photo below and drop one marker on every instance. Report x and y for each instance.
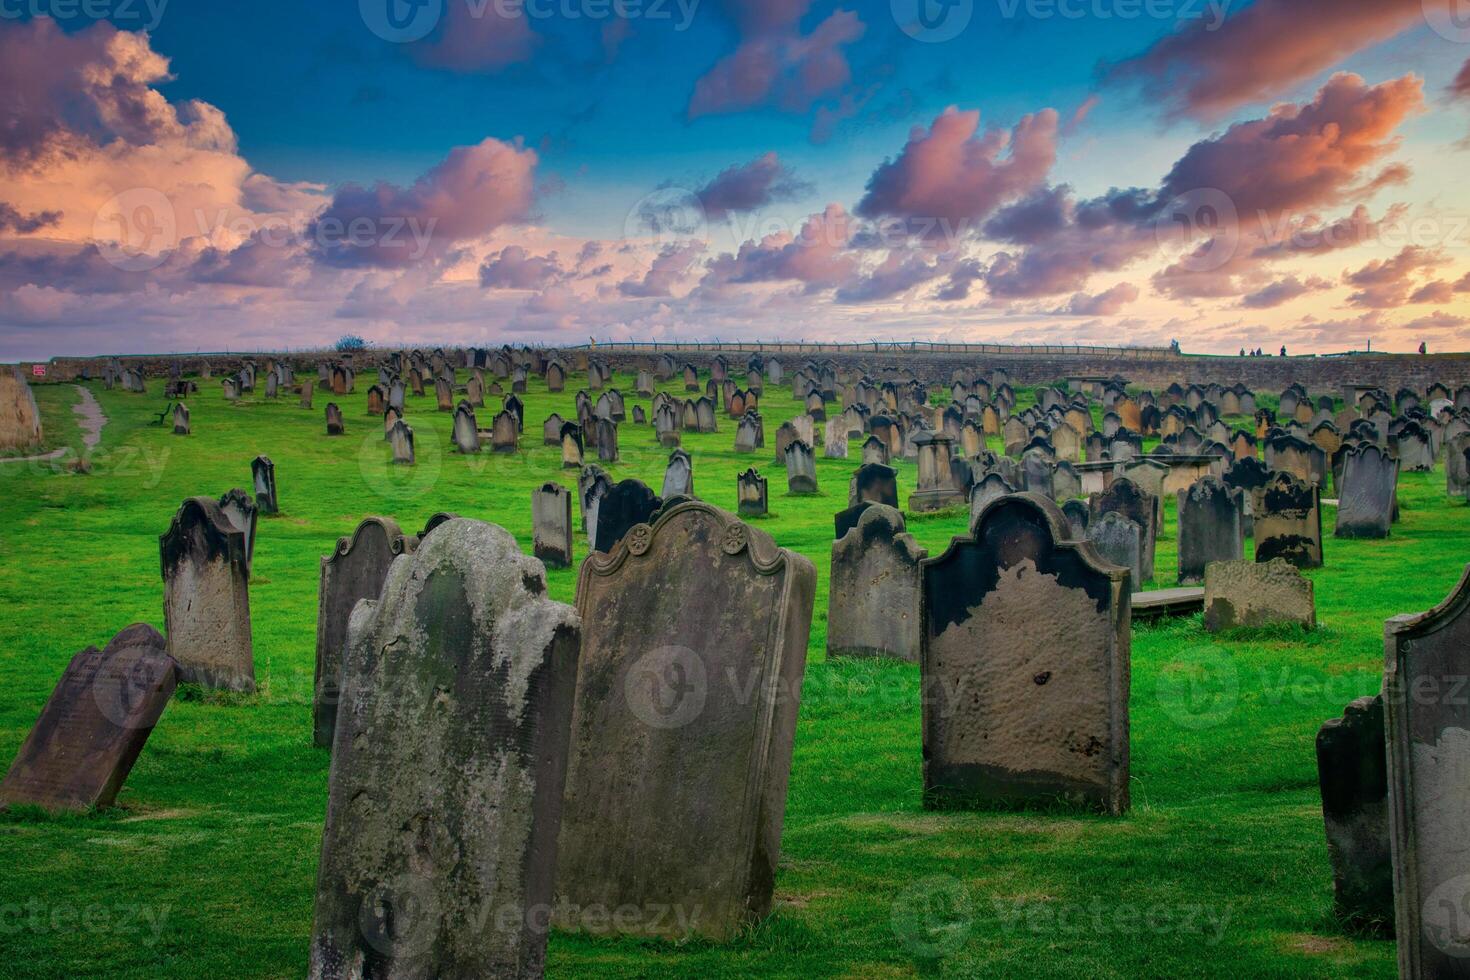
(181, 419)
(354, 570)
(679, 475)
(400, 438)
(1367, 492)
(1427, 721)
(690, 682)
(1139, 506)
(94, 726)
(263, 474)
(206, 597)
(1352, 772)
(1287, 521)
(873, 609)
(801, 469)
(1117, 540)
(335, 426)
(1211, 527)
(751, 494)
(445, 794)
(240, 510)
(551, 525)
(466, 430)
(1025, 666)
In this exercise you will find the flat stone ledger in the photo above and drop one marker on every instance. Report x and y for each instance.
(873, 610)
(206, 597)
(354, 570)
(94, 725)
(448, 767)
(1427, 724)
(1025, 666)
(1352, 772)
(1248, 593)
(687, 698)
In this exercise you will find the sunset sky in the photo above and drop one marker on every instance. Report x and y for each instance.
(196, 175)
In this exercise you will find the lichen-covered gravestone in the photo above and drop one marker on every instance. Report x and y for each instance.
(1211, 527)
(1025, 665)
(1118, 541)
(1352, 773)
(682, 734)
(1427, 721)
(1139, 506)
(1250, 593)
(1368, 490)
(551, 525)
(94, 725)
(751, 494)
(445, 794)
(206, 597)
(1287, 521)
(354, 570)
(801, 469)
(679, 475)
(873, 610)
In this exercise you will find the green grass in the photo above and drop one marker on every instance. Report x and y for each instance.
(207, 865)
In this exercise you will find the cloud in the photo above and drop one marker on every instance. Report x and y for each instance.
(669, 268)
(1282, 291)
(513, 267)
(1107, 303)
(962, 276)
(749, 186)
(775, 65)
(1207, 68)
(1310, 236)
(898, 273)
(817, 256)
(1385, 283)
(947, 179)
(1460, 87)
(478, 38)
(26, 224)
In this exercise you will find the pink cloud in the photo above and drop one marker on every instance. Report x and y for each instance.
(513, 267)
(669, 268)
(12, 220)
(749, 186)
(478, 38)
(776, 65)
(1385, 283)
(816, 257)
(1282, 291)
(1107, 303)
(899, 273)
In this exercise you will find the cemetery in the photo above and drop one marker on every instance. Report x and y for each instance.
(523, 661)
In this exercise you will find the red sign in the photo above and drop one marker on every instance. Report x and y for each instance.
(38, 370)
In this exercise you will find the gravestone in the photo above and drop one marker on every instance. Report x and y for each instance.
(1025, 666)
(875, 483)
(308, 388)
(678, 475)
(181, 419)
(206, 597)
(1253, 593)
(1077, 517)
(991, 487)
(505, 433)
(801, 469)
(1036, 472)
(334, 420)
(551, 430)
(935, 486)
(94, 725)
(1352, 771)
(551, 525)
(748, 433)
(1457, 466)
(1140, 507)
(1118, 541)
(873, 609)
(624, 505)
(1211, 527)
(751, 494)
(607, 439)
(354, 570)
(400, 438)
(263, 473)
(1427, 724)
(1287, 521)
(240, 510)
(834, 444)
(571, 445)
(466, 430)
(875, 450)
(689, 611)
(1366, 493)
(445, 794)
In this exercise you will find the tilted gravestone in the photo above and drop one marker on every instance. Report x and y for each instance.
(873, 610)
(551, 525)
(1366, 492)
(1253, 593)
(1352, 771)
(1287, 521)
(624, 505)
(1118, 541)
(1427, 724)
(94, 725)
(690, 682)
(206, 597)
(335, 426)
(263, 474)
(1211, 527)
(240, 510)
(1140, 507)
(354, 570)
(751, 494)
(445, 794)
(1025, 665)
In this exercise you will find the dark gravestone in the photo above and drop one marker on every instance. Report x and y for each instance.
(1427, 721)
(1352, 770)
(181, 419)
(94, 725)
(1287, 521)
(876, 483)
(505, 432)
(1118, 541)
(625, 505)
(448, 767)
(1025, 667)
(551, 525)
(571, 445)
(334, 420)
(607, 439)
(206, 597)
(1077, 517)
(240, 510)
(1211, 527)
(400, 438)
(873, 610)
(466, 430)
(1366, 492)
(263, 473)
(751, 494)
(1457, 466)
(991, 487)
(354, 570)
(1140, 507)
(682, 733)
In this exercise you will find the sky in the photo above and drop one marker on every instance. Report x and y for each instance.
(197, 175)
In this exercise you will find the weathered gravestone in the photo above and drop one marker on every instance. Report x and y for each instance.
(678, 475)
(625, 504)
(1211, 527)
(1025, 665)
(875, 450)
(466, 430)
(1119, 541)
(551, 525)
(263, 474)
(1252, 593)
(354, 570)
(1352, 771)
(690, 683)
(801, 469)
(1457, 466)
(935, 486)
(1077, 518)
(181, 419)
(751, 494)
(991, 487)
(505, 432)
(1287, 521)
(240, 510)
(834, 440)
(873, 610)
(400, 438)
(571, 445)
(334, 420)
(1427, 721)
(1140, 507)
(1366, 492)
(206, 597)
(607, 439)
(445, 794)
(94, 725)
(875, 483)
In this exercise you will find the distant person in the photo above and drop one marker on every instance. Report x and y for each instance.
(1242, 352)
(1283, 350)
(1422, 348)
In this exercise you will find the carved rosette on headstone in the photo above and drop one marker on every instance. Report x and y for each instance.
(686, 694)
(206, 597)
(448, 767)
(94, 725)
(1025, 665)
